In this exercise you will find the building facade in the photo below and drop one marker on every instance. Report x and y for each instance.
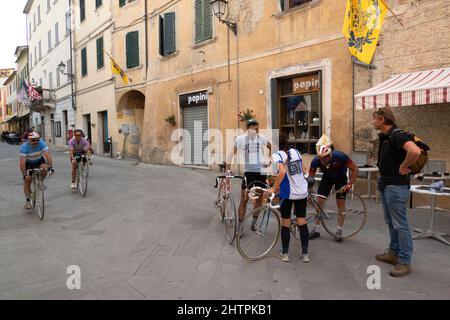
(130, 51)
(49, 37)
(421, 45)
(288, 62)
(8, 97)
(22, 74)
(95, 85)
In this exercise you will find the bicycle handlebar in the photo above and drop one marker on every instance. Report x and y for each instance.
(229, 176)
(254, 189)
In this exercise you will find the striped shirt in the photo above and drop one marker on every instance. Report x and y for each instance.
(33, 154)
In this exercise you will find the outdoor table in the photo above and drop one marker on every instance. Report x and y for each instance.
(431, 233)
(369, 170)
(433, 178)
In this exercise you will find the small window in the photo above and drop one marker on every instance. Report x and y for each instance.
(100, 59)
(289, 4)
(132, 45)
(57, 33)
(82, 10)
(49, 36)
(58, 78)
(167, 34)
(98, 3)
(48, 6)
(124, 2)
(39, 15)
(68, 22)
(84, 67)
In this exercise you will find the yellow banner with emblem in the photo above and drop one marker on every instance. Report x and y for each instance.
(362, 26)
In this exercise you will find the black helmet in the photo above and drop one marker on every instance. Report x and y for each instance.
(251, 122)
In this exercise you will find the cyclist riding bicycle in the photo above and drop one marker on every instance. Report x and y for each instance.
(78, 146)
(333, 164)
(34, 154)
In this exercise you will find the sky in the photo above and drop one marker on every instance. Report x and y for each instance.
(12, 30)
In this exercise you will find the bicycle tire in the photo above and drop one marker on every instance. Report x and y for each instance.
(84, 171)
(256, 244)
(33, 194)
(355, 217)
(40, 200)
(230, 218)
(220, 202)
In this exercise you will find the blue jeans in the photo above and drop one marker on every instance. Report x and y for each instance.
(395, 200)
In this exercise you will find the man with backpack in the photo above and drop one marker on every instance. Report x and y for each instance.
(397, 153)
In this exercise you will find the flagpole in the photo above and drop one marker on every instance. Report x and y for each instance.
(390, 10)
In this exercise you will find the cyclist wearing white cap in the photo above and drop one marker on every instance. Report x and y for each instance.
(34, 154)
(333, 164)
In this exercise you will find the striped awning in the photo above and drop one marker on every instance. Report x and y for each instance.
(409, 89)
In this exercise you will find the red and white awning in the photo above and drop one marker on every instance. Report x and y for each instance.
(409, 89)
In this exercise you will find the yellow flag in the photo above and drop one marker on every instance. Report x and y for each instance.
(362, 27)
(117, 70)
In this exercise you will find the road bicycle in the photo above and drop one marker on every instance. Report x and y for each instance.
(257, 237)
(354, 219)
(37, 191)
(82, 173)
(256, 240)
(225, 203)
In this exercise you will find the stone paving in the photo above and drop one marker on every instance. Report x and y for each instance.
(151, 232)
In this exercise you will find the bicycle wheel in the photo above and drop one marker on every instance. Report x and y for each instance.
(353, 220)
(256, 240)
(220, 202)
(230, 218)
(40, 200)
(84, 170)
(33, 194)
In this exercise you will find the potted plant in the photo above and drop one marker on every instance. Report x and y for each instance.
(171, 120)
(245, 116)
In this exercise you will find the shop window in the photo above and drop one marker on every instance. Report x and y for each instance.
(300, 114)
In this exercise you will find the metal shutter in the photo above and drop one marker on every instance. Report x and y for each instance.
(194, 147)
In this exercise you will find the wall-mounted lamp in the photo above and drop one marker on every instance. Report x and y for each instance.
(219, 9)
(62, 68)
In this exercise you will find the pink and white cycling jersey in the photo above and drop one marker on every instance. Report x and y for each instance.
(79, 147)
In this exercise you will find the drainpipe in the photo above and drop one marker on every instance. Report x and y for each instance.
(72, 69)
(146, 38)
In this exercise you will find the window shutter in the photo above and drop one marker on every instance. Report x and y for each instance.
(161, 35)
(198, 21)
(83, 62)
(132, 44)
(169, 33)
(122, 3)
(98, 3)
(203, 20)
(207, 20)
(100, 60)
(82, 10)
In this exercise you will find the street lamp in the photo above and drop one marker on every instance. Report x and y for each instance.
(62, 68)
(219, 9)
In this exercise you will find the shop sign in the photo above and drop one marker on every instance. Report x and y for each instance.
(194, 99)
(306, 84)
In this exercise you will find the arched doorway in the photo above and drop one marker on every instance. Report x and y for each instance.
(130, 117)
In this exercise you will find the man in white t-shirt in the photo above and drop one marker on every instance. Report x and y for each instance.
(251, 144)
(293, 191)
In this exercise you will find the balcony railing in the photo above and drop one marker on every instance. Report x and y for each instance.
(48, 101)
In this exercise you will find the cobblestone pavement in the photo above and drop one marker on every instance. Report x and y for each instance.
(151, 232)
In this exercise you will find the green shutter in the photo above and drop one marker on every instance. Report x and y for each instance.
(207, 20)
(100, 60)
(203, 20)
(132, 45)
(82, 10)
(122, 3)
(84, 62)
(169, 33)
(161, 35)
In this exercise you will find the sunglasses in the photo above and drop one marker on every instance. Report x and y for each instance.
(34, 140)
